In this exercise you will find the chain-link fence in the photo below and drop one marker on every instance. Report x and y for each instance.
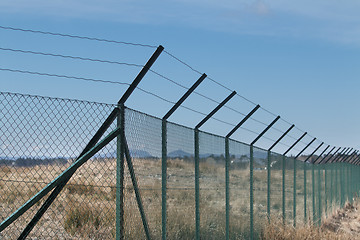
(189, 184)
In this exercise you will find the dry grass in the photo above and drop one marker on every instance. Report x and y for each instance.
(342, 224)
(86, 208)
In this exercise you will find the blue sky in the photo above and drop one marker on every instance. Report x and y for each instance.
(299, 60)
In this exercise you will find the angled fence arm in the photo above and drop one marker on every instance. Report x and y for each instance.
(339, 156)
(282, 136)
(217, 108)
(327, 155)
(296, 142)
(357, 159)
(185, 96)
(141, 74)
(332, 156)
(346, 156)
(353, 158)
(265, 130)
(243, 121)
(305, 148)
(61, 178)
(94, 140)
(320, 155)
(313, 153)
(350, 158)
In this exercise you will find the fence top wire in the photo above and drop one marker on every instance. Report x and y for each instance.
(137, 65)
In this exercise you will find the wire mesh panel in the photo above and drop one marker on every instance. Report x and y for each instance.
(239, 190)
(321, 186)
(300, 194)
(309, 192)
(180, 182)
(276, 186)
(212, 186)
(41, 137)
(289, 190)
(143, 135)
(260, 190)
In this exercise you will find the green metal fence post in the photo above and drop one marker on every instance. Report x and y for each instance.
(227, 189)
(337, 201)
(197, 187)
(326, 188)
(268, 184)
(120, 176)
(269, 166)
(163, 176)
(305, 183)
(319, 194)
(294, 200)
(313, 192)
(342, 200)
(331, 184)
(251, 193)
(348, 183)
(283, 189)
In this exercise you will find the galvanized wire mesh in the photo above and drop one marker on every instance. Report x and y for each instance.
(40, 137)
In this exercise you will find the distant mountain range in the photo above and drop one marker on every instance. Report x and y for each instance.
(137, 153)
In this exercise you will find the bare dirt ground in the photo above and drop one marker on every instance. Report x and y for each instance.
(345, 220)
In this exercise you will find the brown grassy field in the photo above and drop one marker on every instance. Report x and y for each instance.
(342, 224)
(86, 208)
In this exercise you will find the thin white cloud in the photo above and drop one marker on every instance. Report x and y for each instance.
(326, 19)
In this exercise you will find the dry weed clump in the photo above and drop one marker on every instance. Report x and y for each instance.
(343, 224)
(277, 231)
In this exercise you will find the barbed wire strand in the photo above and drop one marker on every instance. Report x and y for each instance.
(78, 37)
(133, 44)
(141, 45)
(121, 83)
(128, 64)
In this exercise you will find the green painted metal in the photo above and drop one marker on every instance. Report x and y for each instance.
(313, 192)
(217, 108)
(342, 179)
(197, 187)
(268, 168)
(136, 188)
(319, 195)
(336, 165)
(294, 195)
(59, 188)
(326, 188)
(305, 200)
(57, 181)
(348, 182)
(163, 177)
(141, 74)
(283, 189)
(251, 192)
(120, 176)
(185, 96)
(332, 169)
(227, 189)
